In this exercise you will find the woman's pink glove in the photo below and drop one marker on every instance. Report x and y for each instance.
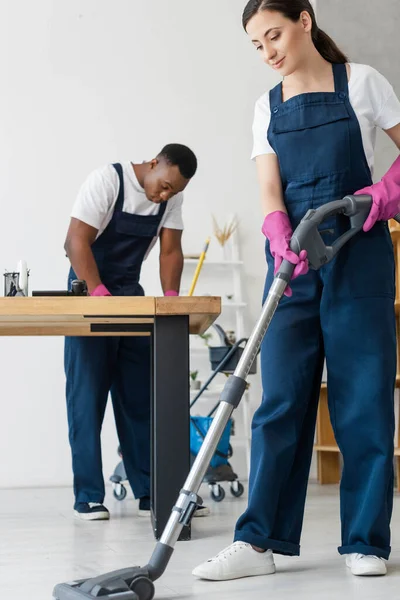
(385, 196)
(278, 230)
(171, 293)
(100, 290)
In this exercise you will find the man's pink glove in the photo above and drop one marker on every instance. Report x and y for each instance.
(278, 230)
(385, 196)
(100, 290)
(171, 293)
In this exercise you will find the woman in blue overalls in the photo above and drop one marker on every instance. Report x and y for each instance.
(313, 150)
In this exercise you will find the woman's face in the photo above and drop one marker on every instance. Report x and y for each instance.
(282, 43)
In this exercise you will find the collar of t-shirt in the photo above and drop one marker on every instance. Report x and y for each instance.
(132, 176)
(145, 205)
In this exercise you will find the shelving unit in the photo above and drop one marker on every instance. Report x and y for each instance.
(328, 454)
(221, 277)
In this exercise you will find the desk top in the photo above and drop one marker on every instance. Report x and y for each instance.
(82, 315)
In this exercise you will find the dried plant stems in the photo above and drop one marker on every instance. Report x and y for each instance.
(225, 233)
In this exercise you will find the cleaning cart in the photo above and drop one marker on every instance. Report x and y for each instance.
(224, 359)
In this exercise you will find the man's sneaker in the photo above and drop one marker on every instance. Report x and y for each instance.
(91, 511)
(366, 564)
(144, 509)
(237, 560)
(201, 511)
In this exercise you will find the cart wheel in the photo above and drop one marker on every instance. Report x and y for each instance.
(119, 492)
(217, 493)
(237, 489)
(143, 588)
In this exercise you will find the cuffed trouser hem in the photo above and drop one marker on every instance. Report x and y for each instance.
(277, 546)
(362, 549)
(85, 499)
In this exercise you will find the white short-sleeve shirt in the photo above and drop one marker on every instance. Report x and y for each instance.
(97, 197)
(371, 96)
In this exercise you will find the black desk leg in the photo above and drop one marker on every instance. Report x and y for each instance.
(170, 426)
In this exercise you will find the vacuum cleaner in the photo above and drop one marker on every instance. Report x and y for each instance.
(137, 583)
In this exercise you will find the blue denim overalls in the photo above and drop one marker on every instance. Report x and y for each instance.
(345, 312)
(94, 366)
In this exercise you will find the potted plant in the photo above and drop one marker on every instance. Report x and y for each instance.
(194, 382)
(205, 337)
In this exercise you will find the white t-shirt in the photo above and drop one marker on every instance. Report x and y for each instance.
(96, 200)
(371, 96)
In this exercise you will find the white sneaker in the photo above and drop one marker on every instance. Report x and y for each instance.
(237, 560)
(366, 564)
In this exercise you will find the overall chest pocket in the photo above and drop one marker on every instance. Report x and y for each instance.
(312, 140)
(127, 224)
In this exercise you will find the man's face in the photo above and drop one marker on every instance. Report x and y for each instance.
(163, 181)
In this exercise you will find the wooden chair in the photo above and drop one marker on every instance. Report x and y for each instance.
(328, 454)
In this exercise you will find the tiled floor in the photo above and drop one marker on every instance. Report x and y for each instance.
(42, 544)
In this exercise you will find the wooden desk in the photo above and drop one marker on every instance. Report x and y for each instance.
(328, 456)
(168, 321)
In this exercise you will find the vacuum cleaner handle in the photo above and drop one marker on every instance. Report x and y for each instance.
(307, 237)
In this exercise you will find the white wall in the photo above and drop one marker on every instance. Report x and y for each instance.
(89, 82)
(353, 25)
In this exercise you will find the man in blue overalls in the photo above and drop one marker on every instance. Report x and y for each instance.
(119, 213)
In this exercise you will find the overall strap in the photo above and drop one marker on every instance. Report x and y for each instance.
(163, 208)
(119, 205)
(340, 76)
(275, 96)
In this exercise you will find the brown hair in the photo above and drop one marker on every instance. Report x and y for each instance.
(292, 10)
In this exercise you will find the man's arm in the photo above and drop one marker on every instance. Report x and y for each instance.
(171, 259)
(80, 238)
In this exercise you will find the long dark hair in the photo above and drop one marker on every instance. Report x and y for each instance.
(292, 10)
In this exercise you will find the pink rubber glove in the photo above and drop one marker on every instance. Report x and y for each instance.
(278, 230)
(100, 290)
(385, 196)
(171, 293)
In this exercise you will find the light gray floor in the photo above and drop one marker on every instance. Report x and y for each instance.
(41, 544)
